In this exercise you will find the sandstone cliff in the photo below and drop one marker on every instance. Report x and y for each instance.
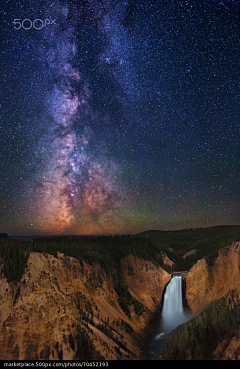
(205, 284)
(40, 316)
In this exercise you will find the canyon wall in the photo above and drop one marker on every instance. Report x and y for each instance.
(145, 281)
(213, 294)
(41, 315)
(205, 284)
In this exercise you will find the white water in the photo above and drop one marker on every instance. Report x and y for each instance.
(172, 311)
(172, 315)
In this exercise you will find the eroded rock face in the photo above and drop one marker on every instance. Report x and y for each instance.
(189, 253)
(206, 284)
(228, 348)
(39, 316)
(145, 281)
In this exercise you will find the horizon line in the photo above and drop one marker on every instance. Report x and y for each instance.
(119, 234)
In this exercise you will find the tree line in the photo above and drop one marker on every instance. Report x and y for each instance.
(108, 251)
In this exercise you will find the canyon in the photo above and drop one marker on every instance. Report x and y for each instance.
(213, 294)
(60, 300)
(40, 315)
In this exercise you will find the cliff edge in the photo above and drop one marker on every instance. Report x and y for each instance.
(64, 309)
(205, 284)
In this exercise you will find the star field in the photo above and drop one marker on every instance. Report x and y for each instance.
(120, 116)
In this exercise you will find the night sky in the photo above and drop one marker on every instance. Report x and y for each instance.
(119, 116)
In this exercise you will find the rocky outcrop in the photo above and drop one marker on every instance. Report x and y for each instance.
(167, 261)
(205, 284)
(189, 253)
(41, 315)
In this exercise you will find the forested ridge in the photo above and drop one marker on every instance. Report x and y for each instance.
(206, 241)
(198, 338)
(108, 251)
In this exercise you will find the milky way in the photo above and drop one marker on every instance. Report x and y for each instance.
(74, 190)
(119, 116)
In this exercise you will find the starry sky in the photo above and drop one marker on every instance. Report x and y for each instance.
(118, 116)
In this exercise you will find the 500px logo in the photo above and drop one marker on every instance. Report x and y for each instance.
(28, 24)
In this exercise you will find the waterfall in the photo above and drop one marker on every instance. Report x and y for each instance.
(173, 314)
(172, 311)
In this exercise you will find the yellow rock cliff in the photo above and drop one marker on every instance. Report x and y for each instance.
(39, 315)
(208, 283)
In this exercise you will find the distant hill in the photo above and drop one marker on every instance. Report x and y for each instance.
(155, 246)
(209, 230)
(206, 242)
